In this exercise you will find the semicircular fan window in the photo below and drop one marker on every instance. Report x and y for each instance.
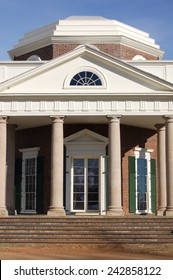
(85, 78)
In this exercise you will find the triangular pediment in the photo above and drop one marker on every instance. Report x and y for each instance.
(85, 136)
(52, 77)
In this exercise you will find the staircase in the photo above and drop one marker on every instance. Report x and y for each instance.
(86, 230)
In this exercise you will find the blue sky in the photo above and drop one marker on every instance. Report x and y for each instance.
(20, 16)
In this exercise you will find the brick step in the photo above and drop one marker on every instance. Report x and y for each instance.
(87, 223)
(84, 235)
(88, 241)
(84, 230)
(90, 220)
(89, 230)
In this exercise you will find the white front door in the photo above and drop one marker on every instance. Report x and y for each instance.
(85, 184)
(29, 180)
(86, 172)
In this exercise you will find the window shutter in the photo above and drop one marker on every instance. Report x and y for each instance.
(39, 192)
(132, 185)
(17, 183)
(153, 185)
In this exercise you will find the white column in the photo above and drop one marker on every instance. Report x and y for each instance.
(161, 161)
(115, 199)
(169, 164)
(57, 156)
(10, 168)
(3, 144)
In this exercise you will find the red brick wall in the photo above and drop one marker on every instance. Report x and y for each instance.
(119, 51)
(130, 138)
(45, 53)
(38, 137)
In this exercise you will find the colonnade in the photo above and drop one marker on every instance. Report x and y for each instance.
(165, 167)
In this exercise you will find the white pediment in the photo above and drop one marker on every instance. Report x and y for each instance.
(53, 76)
(85, 136)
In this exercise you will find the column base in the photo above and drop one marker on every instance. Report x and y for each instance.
(169, 211)
(3, 212)
(161, 212)
(56, 212)
(11, 211)
(115, 211)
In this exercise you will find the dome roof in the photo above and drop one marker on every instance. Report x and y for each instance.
(86, 30)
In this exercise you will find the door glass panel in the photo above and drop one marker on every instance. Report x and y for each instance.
(30, 184)
(78, 184)
(85, 184)
(142, 184)
(93, 184)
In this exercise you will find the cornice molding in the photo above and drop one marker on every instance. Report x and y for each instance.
(118, 40)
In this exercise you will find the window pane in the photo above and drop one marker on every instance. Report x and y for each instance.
(79, 188)
(78, 205)
(78, 196)
(85, 78)
(141, 183)
(93, 205)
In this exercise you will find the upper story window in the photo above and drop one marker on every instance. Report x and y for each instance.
(34, 57)
(85, 78)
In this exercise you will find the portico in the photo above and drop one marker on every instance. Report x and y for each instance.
(115, 190)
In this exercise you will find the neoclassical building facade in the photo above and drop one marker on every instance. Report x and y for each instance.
(86, 122)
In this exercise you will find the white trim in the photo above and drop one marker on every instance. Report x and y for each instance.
(29, 152)
(65, 106)
(81, 69)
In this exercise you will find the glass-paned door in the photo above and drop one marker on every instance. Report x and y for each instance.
(142, 185)
(29, 187)
(85, 184)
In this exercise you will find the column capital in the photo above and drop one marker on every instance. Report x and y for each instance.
(168, 118)
(3, 119)
(160, 126)
(57, 119)
(114, 118)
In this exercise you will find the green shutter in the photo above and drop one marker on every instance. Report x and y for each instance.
(17, 183)
(132, 185)
(153, 185)
(39, 192)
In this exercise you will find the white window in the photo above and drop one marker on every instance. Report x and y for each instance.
(85, 78)
(29, 179)
(143, 180)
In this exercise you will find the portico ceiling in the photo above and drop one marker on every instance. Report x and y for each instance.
(24, 122)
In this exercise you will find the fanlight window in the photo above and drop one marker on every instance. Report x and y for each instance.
(85, 78)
